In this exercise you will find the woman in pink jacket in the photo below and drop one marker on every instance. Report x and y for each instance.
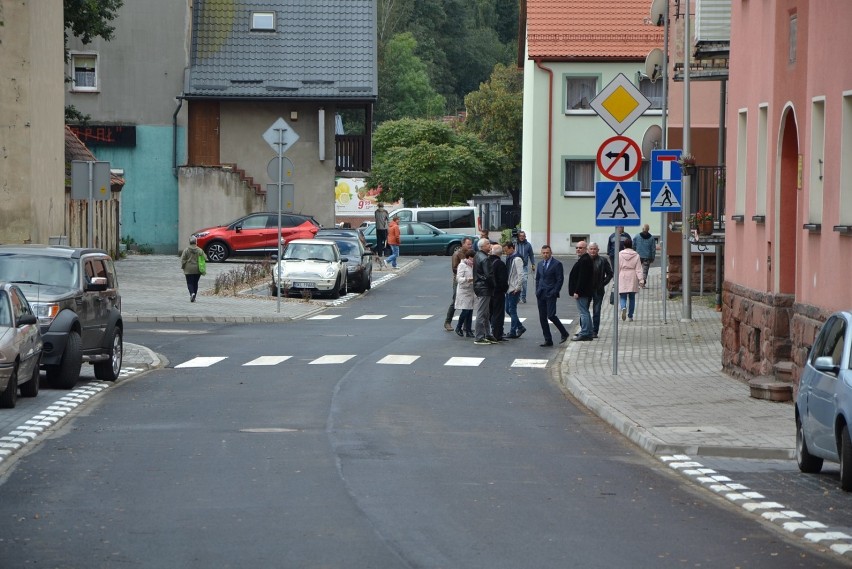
(629, 278)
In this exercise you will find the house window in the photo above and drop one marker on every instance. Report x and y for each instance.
(263, 21)
(85, 72)
(794, 37)
(579, 176)
(652, 91)
(579, 92)
(645, 176)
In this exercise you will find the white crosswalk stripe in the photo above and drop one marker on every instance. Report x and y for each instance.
(202, 362)
(397, 359)
(418, 317)
(371, 317)
(324, 317)
(520, 362)
(333, 359)
(469, 362)
(267, 360)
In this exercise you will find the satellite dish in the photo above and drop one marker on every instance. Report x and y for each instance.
(652, 140)
(654, 64)
(658, 12)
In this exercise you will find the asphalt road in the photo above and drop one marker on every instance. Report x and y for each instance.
(324, 455)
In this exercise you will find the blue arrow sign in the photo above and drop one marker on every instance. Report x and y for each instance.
(617, 203)
(664, 166)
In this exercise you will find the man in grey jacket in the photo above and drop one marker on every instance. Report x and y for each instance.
(483, 289)
(646, 245)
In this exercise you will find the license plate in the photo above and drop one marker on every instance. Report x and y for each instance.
(303, 284)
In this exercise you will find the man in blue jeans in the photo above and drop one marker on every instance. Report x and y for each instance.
(582, 287)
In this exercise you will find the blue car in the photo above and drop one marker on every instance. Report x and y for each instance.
(824, 402)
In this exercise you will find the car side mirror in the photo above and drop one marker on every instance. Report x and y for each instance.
(97, 284)
(238, 229)
(826, 365)
(27, 319)
(344, 259)
(435, 232)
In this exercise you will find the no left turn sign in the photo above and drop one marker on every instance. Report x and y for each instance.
(619, 158)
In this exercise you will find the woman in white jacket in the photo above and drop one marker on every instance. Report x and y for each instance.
(464, 294)
(630, 276)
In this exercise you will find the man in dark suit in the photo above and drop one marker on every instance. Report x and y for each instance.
(549, 277)
(498, 299)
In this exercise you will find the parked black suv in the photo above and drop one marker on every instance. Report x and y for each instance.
(74, 293)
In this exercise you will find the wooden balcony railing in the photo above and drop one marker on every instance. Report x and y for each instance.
(707, 193)
(353, 153)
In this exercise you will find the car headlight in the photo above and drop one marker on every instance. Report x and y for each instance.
(330, 271)
(201, 234)
(45, 312)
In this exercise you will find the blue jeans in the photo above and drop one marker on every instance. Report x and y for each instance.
(524, 283)
(393, 256)
(597, 299)
(623, 298)
(586, 329)
(512, 311)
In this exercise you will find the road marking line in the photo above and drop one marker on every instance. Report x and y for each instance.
(336, 359)
(471, 362)
(520, 362)
(201, 362)
(267, 360)
(371, 317)
(418, 317)
(324, 317)
(397, 359)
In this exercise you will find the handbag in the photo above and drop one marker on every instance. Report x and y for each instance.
(612, 297)
(202, 264)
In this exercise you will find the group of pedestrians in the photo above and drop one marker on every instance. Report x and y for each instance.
(486, 288)
(387, 235)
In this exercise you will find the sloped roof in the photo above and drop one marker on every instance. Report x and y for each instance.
(590, 30)
(76, 150)
(320, 49)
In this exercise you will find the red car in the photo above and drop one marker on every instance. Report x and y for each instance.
(254, 234)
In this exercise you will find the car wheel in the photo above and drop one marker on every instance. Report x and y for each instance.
(66, 374)
(367, 283)
(217, 252)
(845, 460)
(806, 461)
(110, 369)
(10, 395)
(335, 292)
(30, 388)
(454, 246)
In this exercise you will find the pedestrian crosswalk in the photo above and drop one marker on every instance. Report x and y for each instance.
(337, 359)
(565, 321)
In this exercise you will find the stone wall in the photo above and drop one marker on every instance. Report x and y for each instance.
(674, 267)
(762, 329)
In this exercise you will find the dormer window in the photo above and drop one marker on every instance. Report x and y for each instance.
(263, 21)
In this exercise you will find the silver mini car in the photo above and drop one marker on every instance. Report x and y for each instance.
(20, 346)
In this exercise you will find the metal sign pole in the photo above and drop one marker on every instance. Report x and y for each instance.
(91, 213)
(616, 301)
(664, 226)
(280, 191)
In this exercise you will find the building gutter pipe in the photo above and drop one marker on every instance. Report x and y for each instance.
(549, 142)
(174, 136)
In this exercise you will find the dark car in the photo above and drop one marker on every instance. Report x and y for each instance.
(254, 234)
(418, 238)
(74, 294)
(353, 246)
(824, 401)
(20, 346)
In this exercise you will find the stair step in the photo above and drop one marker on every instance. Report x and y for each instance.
(784, 371)
(769, 388)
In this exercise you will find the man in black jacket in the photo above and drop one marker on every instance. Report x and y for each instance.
(602, 277)
(582, 287)
(483, 289)
(498, 299)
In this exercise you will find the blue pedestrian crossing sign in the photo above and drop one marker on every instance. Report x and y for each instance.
(666, 181)
(617, 203)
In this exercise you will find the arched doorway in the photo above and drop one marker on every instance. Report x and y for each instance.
(786, 207)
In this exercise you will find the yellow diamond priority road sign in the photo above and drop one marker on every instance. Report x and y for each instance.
(620, 103)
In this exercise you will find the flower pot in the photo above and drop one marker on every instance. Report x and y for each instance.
(689, 170)
(705, 227)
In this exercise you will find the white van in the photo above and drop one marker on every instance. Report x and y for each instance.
(461, 219)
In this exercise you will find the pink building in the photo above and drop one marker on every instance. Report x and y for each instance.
(788, 254)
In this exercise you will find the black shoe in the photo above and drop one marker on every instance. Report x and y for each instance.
(469, 335)
(564, 338)
(582, 338)
(521, 332)
(512, 336)
(192, 297)
(459, 332)
(595, 336)
(546, 344)
(492, 339)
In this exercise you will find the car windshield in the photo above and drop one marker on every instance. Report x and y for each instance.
(305, 251)
(347, 248)
(37, 270)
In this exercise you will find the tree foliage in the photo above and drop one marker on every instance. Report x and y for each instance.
(428, 163)
(495, 116)
(90, 19)
(404, 84)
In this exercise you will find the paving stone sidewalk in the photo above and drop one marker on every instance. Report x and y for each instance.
(670, 395)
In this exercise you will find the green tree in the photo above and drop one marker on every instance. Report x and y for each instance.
(495, 116)
(429, 163)
(404, 88)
